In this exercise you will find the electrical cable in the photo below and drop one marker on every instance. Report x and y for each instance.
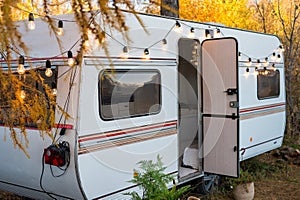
(41, 178)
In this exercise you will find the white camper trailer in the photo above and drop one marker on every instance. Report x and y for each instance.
(202, 96)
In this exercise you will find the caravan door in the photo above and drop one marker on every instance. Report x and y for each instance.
(220, 106)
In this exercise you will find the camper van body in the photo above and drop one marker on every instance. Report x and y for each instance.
(197, 102)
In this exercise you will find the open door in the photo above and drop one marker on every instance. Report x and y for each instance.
(220, 106)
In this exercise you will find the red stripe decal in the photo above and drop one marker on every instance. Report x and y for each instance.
(66, 126)
(118, 133)
(261, 108)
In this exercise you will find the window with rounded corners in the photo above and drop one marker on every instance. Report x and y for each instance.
(129, 93)
(268, 84)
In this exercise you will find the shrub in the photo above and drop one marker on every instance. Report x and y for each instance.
(154, 182)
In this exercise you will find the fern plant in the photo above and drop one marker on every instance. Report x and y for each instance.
(154, 182)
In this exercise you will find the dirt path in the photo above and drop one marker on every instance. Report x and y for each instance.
(284, 187)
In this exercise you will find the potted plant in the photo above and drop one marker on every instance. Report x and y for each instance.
(243, 187)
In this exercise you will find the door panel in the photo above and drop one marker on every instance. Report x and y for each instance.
(220, 147)
(220, 106)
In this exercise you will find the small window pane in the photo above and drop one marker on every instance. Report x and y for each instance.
(268, 84)
(129, 93)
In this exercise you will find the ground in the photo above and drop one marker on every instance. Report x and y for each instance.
(281, 181)
(283, 184)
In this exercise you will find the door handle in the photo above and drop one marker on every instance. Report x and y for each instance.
(231, 91)
(234, 149)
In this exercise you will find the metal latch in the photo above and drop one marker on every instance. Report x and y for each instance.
(233, 104)
(231, 91)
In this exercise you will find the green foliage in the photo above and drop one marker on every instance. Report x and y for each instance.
(154, 182)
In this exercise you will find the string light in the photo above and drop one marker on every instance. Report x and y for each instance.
(273, 56)
(247, 72)
(281, 49)
(256, 71)
(125, 52)
(48, 71)
(218, 33)
(22, 94)
(207, 34)
(54, 91)
(21, 68)
(273, 67)
(31, 24)
(60, 30)
(71, 60)
(192, 33)
(266, 63)
(266, 72)
(178, 27)
(258, 63)
(249, 62)
(278, 59)
(86, 44)
(146, 54)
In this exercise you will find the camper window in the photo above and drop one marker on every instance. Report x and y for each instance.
(268, 84)
(129, 93)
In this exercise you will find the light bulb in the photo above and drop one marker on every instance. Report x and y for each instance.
(266, 63)
(278, 59)
(218, 33)
(178, 28)
(22, 94)
(249, 62)
(31, 24)
(192, 33)
(207, 34)
(258, 63)
(54, 91)
(21, 69)
(60, 29)
(71, 60)
(86, 44)
(273, 56)
(48, 72)
(256, 71)
(146, 54)
(125, 52)
(281, 49)
(247, 72)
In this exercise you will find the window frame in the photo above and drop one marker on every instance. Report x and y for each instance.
(127, 70)
(260, 73)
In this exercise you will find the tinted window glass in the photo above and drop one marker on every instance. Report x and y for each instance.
(268, 84)
(128, 93)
